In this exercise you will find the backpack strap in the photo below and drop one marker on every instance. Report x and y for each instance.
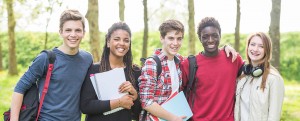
(158, 67)
(51, 57)
(157, 61)
(192, 72)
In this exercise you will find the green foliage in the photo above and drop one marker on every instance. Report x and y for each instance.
(290, 57)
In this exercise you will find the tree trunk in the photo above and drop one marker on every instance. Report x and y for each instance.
(1, 65)
(121, 9)
(92, 16)
(12, 60)
(46, 36)
(237, 27)
(274, 31)
(191, 27)
(145, 37)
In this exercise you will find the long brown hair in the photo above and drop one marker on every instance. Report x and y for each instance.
(127, 59)
(265, 61)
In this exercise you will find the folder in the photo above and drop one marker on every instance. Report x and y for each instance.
(106, 85)
(177, 105)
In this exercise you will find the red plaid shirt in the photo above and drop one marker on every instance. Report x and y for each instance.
(156, 90)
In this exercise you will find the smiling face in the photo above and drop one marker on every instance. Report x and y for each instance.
(72, 33)
(171, 43)
(210, 39)
(256, 50)
(119, 43)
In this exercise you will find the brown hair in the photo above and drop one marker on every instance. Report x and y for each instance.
(70, 14)
(170, 25)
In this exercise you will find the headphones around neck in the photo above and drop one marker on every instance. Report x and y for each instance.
(248, 69)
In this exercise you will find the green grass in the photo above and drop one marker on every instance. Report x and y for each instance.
(290, 109)
(291, 104)
(7, 84)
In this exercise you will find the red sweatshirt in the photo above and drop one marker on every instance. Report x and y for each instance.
(215, 88)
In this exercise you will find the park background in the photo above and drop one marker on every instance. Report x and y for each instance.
(36, 29)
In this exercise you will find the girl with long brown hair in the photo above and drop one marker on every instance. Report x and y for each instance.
(260, 89)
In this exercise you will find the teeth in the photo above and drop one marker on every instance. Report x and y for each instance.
(255, 54)
(211, 46)
(174, 48)
(120, 49)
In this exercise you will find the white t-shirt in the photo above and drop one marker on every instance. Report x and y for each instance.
(174, 76)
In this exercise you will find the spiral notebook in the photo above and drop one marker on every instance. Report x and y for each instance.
(106, 85)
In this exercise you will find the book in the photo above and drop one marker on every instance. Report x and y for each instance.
(177, 105)
(106, 85)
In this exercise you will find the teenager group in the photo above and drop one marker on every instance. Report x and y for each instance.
(225, 87)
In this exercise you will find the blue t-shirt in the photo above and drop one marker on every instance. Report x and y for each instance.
(61, 103)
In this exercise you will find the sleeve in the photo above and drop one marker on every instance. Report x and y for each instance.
(89, 103)
(136, 108)
(35, 71)
(147, 82)
(276, 98)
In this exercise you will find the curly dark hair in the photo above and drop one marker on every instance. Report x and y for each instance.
(208, 21)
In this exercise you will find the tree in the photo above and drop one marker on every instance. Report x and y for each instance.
(237, 27)
(12, 60)
(92, 16)
(191, 22)
(145, 37)
(121, 9)
(49, 9)
(146, 27)
(1, 59)
(1, 65)
(274, 31)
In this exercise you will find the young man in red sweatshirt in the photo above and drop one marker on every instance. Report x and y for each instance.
(212, 96)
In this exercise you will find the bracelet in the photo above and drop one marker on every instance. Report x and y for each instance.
(119, 103)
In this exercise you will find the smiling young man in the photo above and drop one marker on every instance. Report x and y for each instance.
(213, 94)
(61, 103)
(154, 91)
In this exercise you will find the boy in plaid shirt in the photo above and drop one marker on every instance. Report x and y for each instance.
(154, 91)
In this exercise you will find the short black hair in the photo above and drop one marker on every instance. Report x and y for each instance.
(208, 21)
